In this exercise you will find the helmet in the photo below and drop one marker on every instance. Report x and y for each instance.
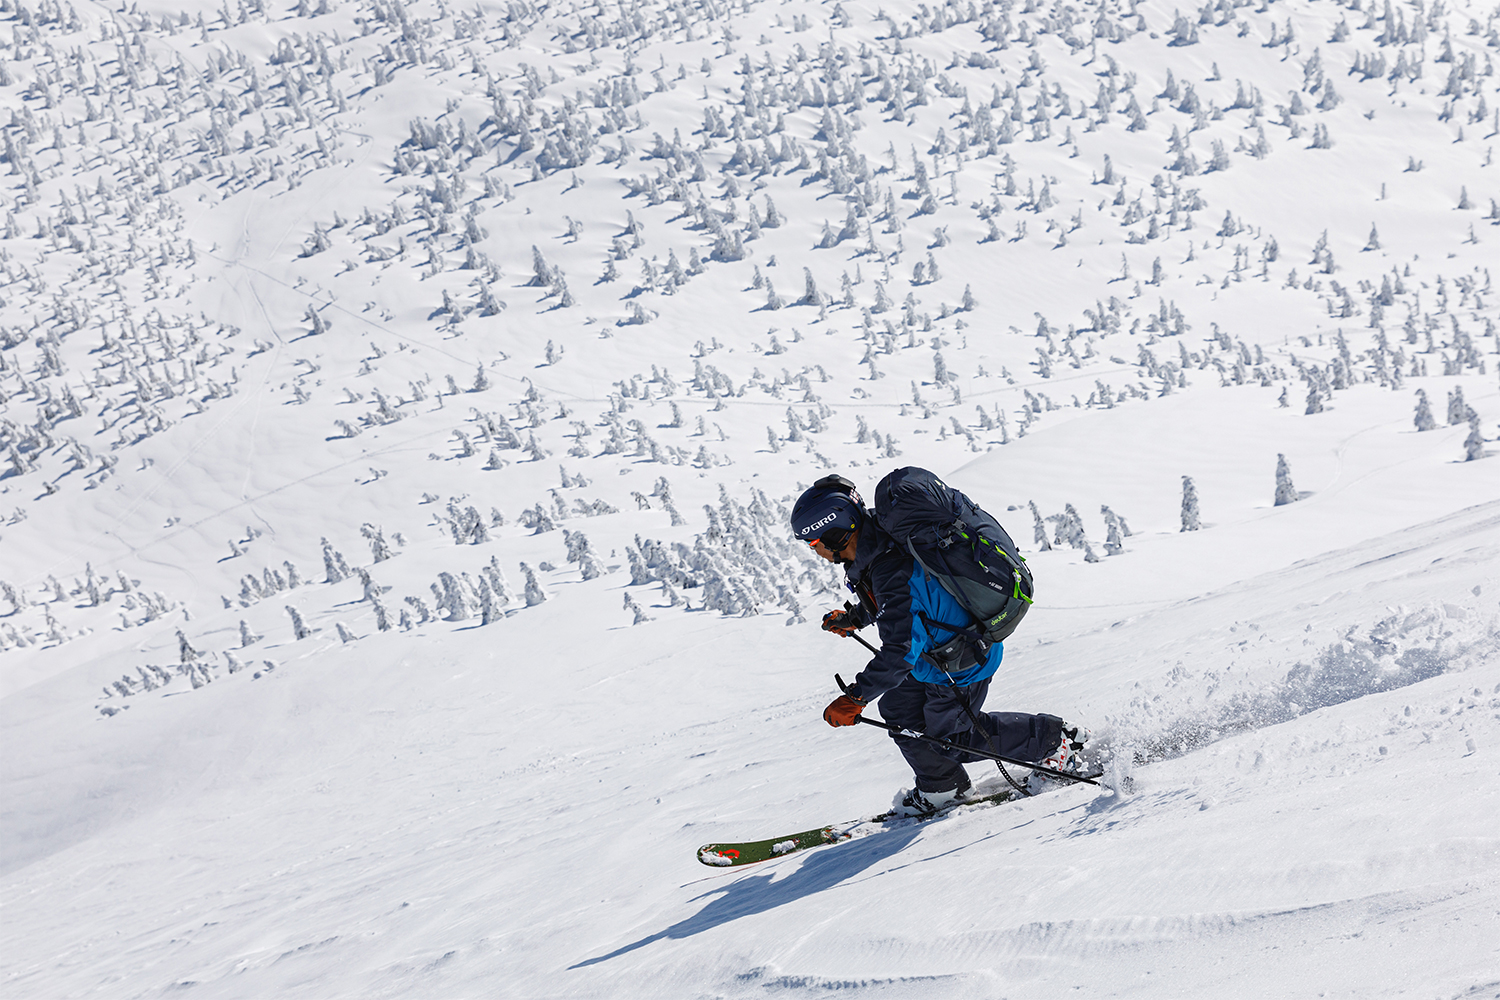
(831, 509)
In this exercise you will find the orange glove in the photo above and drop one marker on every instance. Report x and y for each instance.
(840, 623)
(844, 711)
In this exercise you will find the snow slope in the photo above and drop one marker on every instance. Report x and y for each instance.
(466, 335)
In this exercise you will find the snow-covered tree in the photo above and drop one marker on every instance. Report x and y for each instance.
(1039, 529)
(450, 597)
(299, 627)
(247, 637)
(1285, 492)
(1458, 410)
(1474, 443)
(1114, 541)
(637, 610)
(382, 616)
(1190, 520)
(185, 651)
(378, 547)
(1423, 417)
(334, 567)
(534, 593)
(1068, 528)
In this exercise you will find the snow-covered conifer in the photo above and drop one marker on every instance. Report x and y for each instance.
(542, 272)
(669, 594)
(451, 598)
(1474, 443)
(299, 627)
(378, 547)
(1039, 529)
(417, 604)
(489, 608)
(185, 651)
(497, 581)
(534, 593)
(1114, 542)
(1458, 410)
(637, 610)
(810, 294)
(1423, 417)
(1285, 492)
(333, 564)
(640, 573)
(247, 637)
(17, 598)
(1069, 528)
(344, 634)
(371, 588)
(1190, 519)
(382, 616)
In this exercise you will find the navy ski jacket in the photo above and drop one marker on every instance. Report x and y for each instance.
(894, 591)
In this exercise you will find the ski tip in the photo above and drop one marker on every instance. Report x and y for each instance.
(751, 852)
(718, 856)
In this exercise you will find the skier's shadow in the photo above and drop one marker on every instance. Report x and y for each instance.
(749, 896)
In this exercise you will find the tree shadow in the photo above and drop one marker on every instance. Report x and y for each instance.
(757, 894)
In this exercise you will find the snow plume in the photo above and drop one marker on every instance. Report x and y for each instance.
(1401, 649)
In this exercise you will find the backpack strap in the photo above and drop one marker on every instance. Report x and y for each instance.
(964, 630)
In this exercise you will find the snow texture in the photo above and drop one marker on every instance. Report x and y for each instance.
(436, 297)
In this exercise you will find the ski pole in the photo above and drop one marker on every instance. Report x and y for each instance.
(996, 757)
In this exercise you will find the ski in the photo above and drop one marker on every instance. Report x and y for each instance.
(750, 852)
(737, 854)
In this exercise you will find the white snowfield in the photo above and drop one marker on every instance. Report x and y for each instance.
(401, 404)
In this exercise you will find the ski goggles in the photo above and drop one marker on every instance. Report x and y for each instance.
(834, 539)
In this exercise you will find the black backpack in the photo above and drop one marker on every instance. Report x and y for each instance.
(961, 547)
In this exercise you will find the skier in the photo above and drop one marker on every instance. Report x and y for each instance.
(928, 679)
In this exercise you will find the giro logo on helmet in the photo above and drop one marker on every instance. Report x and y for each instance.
(813, 528)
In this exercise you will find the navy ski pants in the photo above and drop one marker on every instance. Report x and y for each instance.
(935, 709)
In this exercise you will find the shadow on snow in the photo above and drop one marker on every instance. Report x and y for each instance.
(821, 870)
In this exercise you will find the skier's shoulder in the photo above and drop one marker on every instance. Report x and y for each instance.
(878, 554)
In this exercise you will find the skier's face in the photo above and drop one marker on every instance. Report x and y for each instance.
(843, 555)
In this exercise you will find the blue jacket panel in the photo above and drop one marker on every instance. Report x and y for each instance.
(895, 592)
